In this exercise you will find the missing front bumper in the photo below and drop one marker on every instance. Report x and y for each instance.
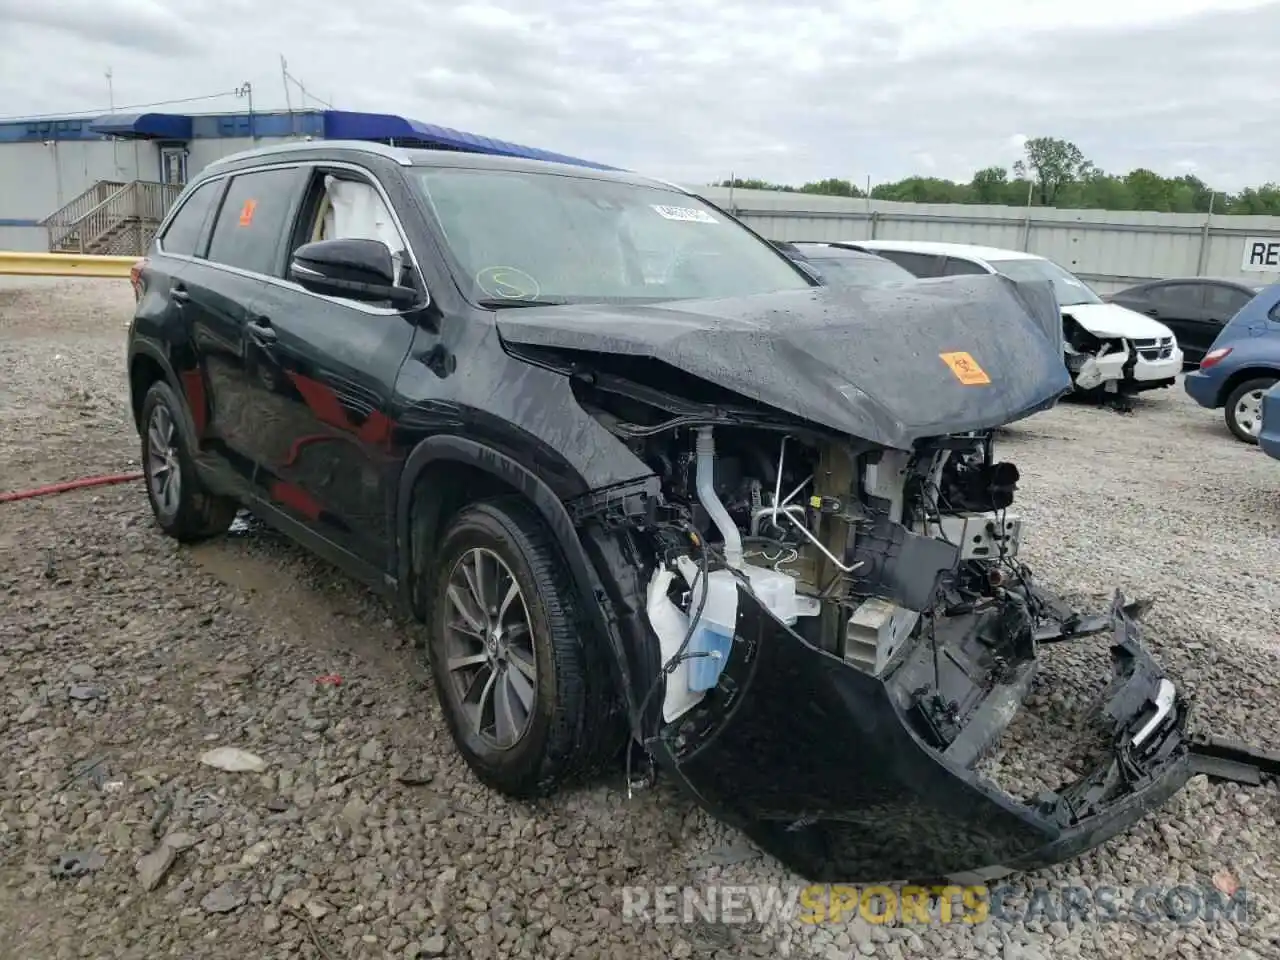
(816, 762)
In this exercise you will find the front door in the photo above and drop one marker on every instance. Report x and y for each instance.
(324, 378)
(1180, 307)
(173, 165)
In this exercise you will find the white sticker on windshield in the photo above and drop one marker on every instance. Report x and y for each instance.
(687, 214)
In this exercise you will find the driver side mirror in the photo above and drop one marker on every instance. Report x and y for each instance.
(353, 269)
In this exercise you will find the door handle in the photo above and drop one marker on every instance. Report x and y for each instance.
(1151, 312)
(179, 294)
(261, 331)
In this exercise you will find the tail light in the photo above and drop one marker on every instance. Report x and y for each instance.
(1214, 357)
(135, 277)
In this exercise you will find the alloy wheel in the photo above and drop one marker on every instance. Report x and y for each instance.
(164, 474)
(489, 648)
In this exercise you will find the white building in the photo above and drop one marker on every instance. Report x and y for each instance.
(102, 184)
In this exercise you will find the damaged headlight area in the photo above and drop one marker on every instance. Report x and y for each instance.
(1093, 361)
(840, 631)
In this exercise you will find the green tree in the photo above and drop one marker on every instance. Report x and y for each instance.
(1054, 163)
(832, 187)
(1055, 172)
(739, 183)
(990, 185)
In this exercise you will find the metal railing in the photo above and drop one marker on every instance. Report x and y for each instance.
(71, 212)
(121, 221)
(64, 265)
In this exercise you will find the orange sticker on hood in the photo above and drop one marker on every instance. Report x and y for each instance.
(965, 368)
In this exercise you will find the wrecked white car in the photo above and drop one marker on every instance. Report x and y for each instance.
(1106, 346)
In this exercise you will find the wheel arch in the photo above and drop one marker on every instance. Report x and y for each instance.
(1237, 377)
(466, 471)
(149, 365)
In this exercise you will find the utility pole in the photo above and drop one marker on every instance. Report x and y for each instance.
(115, 144)
(288, 100)
(246, 90)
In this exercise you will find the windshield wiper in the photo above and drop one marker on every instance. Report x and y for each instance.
(501, 303)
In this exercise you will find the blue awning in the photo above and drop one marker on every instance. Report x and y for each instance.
(344, 125)
(143, 126)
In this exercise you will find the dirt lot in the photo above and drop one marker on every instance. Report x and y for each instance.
(125, 658)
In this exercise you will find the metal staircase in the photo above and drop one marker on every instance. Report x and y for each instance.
(111, 218)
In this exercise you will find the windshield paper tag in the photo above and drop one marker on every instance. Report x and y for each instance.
(687, 214)
(965, 368)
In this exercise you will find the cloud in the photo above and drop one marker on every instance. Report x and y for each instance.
(818, 88)
(127, 25)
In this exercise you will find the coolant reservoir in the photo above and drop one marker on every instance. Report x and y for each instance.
(775, 590)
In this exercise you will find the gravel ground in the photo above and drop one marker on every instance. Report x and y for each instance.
(126, 659)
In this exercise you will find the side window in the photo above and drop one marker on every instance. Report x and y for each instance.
(1178, 296)
(343, 207)
(183, 233)
(921, 264)
(1225, 302)
(958, 268)
(253, 218)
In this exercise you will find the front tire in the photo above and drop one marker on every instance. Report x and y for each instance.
(527, 698)
(182, 506)
(1244, 408)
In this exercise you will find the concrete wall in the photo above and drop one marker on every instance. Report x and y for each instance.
(1111, 249)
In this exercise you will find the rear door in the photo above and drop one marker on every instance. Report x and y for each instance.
(222, 287)
(324, 372)
(1222, 301)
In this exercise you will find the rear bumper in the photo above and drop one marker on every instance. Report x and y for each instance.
(1269, 438)
(818, 763)
(1201, 388)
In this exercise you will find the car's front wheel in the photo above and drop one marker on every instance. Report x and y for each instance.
(183, 508)
(526, 696)
(1244, 408)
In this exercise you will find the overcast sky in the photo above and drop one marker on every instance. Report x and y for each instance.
(693, 90)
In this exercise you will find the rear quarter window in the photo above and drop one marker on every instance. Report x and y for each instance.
(920, 264)
(182, 235)
(253, 220)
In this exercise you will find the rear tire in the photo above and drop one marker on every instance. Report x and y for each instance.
(529, 700)
(1244, 408)
(182, 506)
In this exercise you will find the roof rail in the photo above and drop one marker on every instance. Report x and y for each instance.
(364, 146)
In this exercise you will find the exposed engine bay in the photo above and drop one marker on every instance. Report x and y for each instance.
(810, 591)
(1094, 361)
(859, 550)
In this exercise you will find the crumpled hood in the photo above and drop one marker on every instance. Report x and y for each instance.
(890, 364)
(1113, 320)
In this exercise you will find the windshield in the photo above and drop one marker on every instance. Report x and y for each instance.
(1069, 290)
(853, 271)
(547, 238)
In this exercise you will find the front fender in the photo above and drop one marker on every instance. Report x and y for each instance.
(596, 604)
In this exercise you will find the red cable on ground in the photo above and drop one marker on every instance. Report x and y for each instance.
(69, 485)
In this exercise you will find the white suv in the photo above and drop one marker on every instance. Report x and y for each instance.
(1106, 346)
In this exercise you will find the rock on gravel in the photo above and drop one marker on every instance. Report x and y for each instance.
(364, 818)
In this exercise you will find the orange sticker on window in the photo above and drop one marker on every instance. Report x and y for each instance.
(246, 212)
(965, 368)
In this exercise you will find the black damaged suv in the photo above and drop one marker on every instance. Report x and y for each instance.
(648, 486)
